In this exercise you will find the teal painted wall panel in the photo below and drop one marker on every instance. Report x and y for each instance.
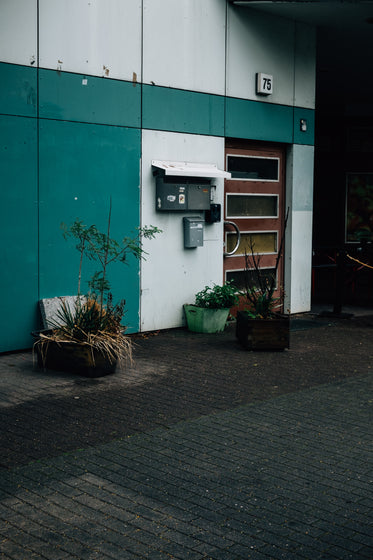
(19, 243)
(301, 137)
(258, 121)
(75, 97)
(182, 111)
(81, 167)
(18, 95)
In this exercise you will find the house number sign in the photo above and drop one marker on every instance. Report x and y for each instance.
(264, 84)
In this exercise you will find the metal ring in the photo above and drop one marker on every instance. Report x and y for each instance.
(238, 238)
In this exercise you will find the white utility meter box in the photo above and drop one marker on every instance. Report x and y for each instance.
(193, 232)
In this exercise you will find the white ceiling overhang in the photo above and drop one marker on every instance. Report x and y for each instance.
(352, 16)
(188, 169)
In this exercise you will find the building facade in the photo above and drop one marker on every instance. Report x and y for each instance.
(92, 92)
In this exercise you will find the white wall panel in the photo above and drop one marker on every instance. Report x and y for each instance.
(171, 275)
(299, 274)
(184, 44)
(300, 172)
(305, 66)
(18, 32)
(298, 247)
(97, 37)
(258, 42)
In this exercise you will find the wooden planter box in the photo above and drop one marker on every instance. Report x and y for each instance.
(75, 358)
(263, 334)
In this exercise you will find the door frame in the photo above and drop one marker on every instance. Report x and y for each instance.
(271, 150)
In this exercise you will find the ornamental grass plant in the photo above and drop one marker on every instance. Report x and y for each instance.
(94, 320)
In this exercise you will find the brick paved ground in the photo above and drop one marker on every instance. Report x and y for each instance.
(199, 450)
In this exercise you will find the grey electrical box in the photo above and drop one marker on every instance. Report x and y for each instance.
(182, 195)
(193, 232)
(199, 197)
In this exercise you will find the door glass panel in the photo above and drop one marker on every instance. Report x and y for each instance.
(250, 206)
(261, 242)
(253, 168)
(237, 277)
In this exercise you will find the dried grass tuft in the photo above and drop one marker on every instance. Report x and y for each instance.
(115, 347)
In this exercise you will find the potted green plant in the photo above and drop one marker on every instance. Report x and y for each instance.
(261, 325)
(88, 337)
(210, 311)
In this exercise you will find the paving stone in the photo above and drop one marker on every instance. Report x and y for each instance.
(184, 457)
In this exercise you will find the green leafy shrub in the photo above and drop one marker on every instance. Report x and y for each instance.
(217, 297)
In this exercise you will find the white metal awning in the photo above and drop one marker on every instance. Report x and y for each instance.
(187, 169)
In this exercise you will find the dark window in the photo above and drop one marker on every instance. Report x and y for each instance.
(254, 168)
(238, 277)
(249, 206)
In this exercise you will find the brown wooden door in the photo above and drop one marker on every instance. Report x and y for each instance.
(254, 201)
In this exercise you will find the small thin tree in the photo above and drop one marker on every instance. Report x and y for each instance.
(259, 287)
(101, 248)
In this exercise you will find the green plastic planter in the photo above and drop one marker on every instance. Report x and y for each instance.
(202, 320)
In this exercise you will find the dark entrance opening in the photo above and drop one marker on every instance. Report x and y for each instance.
(343, 185)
